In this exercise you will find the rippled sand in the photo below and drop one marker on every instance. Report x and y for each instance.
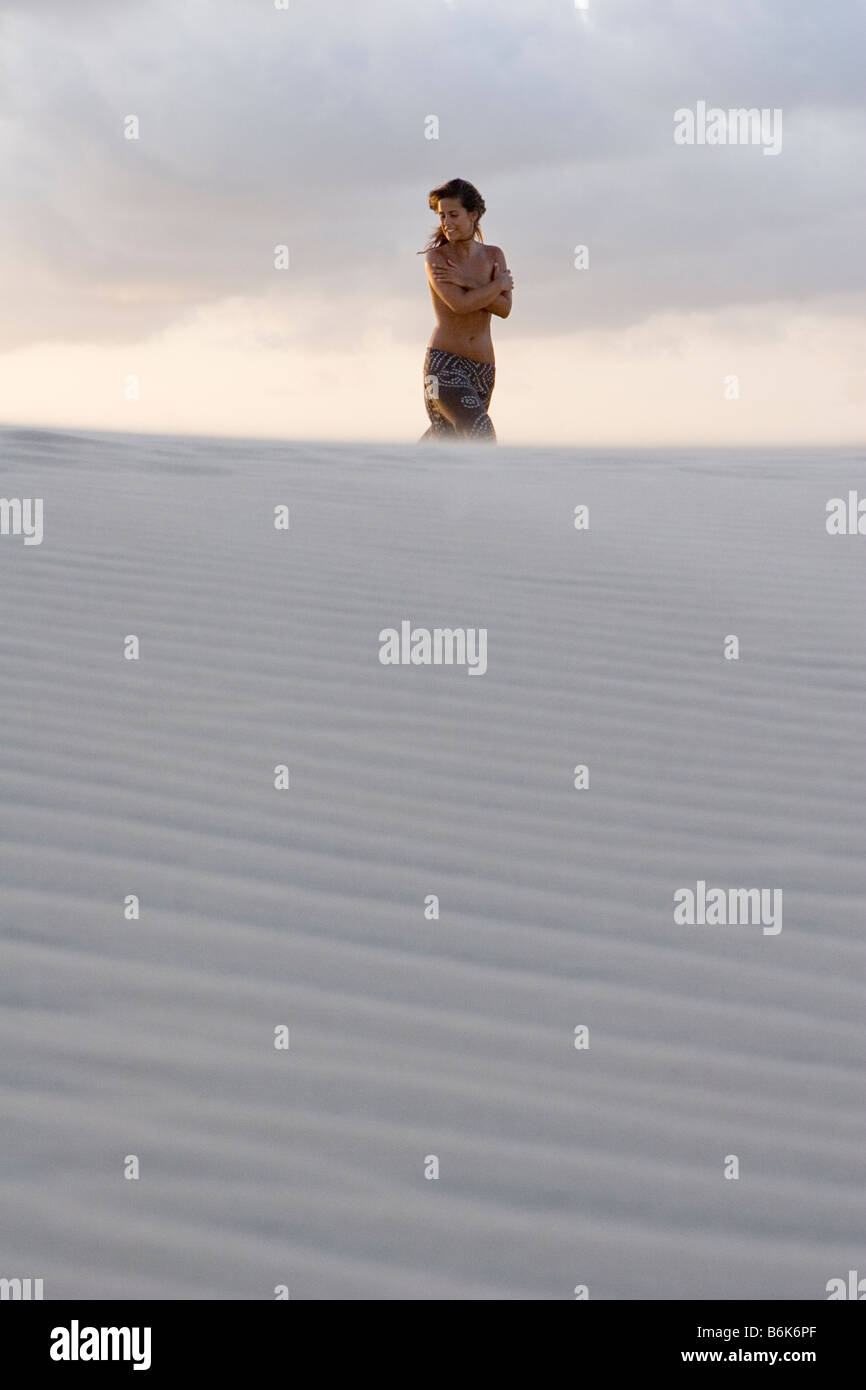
(412, 1037)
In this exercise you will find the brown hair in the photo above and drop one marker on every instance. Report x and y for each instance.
(470, 198)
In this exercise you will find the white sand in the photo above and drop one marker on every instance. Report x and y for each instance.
(411, 1037)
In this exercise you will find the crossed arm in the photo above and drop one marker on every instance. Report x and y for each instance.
(454, 289)
(501, 306)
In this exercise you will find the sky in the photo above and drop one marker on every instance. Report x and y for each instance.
(725, 294)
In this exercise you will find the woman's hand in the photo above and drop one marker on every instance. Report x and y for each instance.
(506, 281)
(450, 274)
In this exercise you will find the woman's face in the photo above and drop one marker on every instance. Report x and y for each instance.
(457, 223)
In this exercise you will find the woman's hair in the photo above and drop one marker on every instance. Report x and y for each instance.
(469, 197)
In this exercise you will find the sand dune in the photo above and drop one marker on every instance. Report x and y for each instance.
(412, 1037)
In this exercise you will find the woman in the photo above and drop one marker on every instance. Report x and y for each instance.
(468, 282)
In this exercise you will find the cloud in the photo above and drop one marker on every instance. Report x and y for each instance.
(306, 127)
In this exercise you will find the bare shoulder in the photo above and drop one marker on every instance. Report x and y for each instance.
(434, 254)
(497, 254)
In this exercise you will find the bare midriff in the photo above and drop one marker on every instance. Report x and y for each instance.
(468, 335)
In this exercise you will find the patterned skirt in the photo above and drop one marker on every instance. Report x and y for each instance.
(457, 392)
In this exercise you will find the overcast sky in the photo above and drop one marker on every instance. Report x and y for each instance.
(306, 126)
